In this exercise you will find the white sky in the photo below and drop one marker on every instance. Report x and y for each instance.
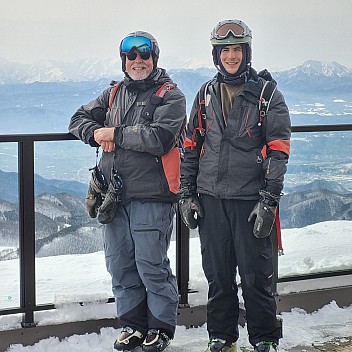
(318, 247)
(285, 32)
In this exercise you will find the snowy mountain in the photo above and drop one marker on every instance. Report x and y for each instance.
(77, 71)
(319, 184)
(59, 219)
(313, 68)
(58, 71)
(314, 205)
(94, 69)
(9, 186)
(314, 78)
(309, 82)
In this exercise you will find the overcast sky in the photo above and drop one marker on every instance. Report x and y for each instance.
(285, 32)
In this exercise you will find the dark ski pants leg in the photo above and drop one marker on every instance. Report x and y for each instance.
(219, 265)
(136, 244)
(255, 264)
(227, 241)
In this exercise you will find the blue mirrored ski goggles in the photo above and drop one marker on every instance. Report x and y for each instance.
(142, 44)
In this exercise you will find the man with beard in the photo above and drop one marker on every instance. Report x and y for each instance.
(137, 123)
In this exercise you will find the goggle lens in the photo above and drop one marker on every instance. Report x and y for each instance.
(224, 30)
(142, 44)
(133, 55)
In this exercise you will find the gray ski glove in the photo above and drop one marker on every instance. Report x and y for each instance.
(188, 208)
(96, 192)
(265, 213)
(112, 199)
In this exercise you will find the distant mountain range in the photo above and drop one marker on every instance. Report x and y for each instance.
(316, 78)
(77, 71)
(48, 93)
(9, 186)
(305, 75)
(58, 71)
(63, 226)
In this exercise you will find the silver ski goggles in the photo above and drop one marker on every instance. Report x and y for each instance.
(224, 28)
(141, 44)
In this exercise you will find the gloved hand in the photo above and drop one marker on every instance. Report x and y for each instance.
(265, 213)
(112, 199)
(188, 207)
(96, 192)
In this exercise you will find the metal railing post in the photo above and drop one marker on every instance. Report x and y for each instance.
(182, 259)
(27, 231)
(275, 260)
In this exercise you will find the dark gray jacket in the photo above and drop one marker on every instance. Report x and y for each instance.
(145, 155)
(236, 160)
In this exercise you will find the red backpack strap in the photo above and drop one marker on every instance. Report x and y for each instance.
(155, 100)
(164, 89)
(113, 93)
(201, 114)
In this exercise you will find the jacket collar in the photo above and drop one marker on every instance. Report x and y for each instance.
(156, 78)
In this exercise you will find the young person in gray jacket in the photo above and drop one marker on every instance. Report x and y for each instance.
(133, 191)
(232, 177)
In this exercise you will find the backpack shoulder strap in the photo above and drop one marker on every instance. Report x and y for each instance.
(202, 103)
(156, 100)
(113, 92)
(202, 97)
(201, 112)
(266, 94)
(164, 89)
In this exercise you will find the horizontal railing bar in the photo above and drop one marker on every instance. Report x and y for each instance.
(9, 311)
(36, 137)
(322, 128)
(68, 136)
(18, 310)
(321, 275)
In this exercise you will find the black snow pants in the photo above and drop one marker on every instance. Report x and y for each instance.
(227, 242)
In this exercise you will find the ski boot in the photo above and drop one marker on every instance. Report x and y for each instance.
(266, 347)
(128, 340)
(156, 341)
(220, 345)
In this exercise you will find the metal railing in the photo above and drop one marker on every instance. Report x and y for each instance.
(27, 226)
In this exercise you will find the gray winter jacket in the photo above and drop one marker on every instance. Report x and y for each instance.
(237, 160)
(145, 155)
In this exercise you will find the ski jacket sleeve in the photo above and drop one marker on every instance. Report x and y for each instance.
(90, 117)
(277, 130)
(192, 147)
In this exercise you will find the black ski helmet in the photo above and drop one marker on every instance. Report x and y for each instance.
(154, 49)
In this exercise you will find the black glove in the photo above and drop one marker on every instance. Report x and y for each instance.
(112, 199)
(265, 213)
(188, 207)
(96, 192)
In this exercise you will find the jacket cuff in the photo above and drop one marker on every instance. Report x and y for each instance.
(188, 188)
(118, 135)
(273, 190)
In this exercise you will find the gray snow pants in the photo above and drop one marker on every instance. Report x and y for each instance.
(136, 244)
